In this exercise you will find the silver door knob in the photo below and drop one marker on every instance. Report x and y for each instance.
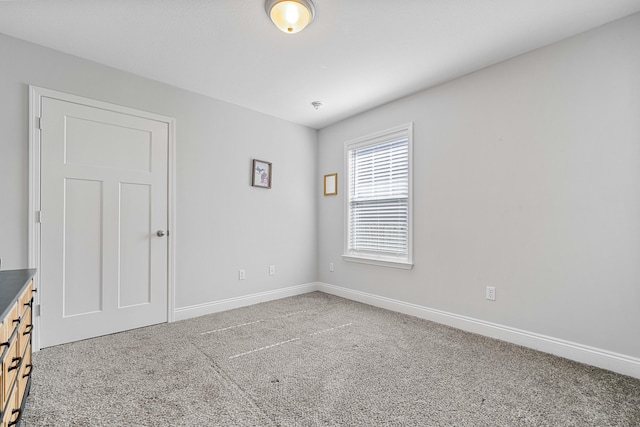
(161, 233)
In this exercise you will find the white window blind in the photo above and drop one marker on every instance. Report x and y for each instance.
(378, 205)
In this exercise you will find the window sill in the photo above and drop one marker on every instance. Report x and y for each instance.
(382, 262)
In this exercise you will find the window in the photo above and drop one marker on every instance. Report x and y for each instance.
(378, 199)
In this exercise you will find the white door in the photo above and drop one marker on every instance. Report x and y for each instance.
(103, 201)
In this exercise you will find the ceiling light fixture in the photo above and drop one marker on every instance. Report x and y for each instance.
(290, 16)
(317, 104)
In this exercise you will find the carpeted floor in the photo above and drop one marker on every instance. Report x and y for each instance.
(318, 360)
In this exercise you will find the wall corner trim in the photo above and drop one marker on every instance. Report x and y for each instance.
(622, 364)
(196, 310)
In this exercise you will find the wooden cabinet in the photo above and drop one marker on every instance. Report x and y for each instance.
(16, 327)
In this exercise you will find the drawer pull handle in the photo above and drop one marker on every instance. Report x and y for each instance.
(15, 359)
(34, 290)
(28, 330)
(28, 374)
(17, 320)
(15, 421)
(6, 343)
(30, 303)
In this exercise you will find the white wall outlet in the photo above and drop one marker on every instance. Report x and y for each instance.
(272, 270)
(491, 293)
(331, 266)
(241, 275)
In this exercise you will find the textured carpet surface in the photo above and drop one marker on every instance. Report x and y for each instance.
(318, 360)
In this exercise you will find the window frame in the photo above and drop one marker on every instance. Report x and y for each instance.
(404, 262)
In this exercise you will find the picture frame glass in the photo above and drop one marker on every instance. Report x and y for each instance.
(261, 174)
(331, 184)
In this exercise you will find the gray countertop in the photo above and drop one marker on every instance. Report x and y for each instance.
(12, 282)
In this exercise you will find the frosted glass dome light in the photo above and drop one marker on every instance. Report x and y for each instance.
(290, 16)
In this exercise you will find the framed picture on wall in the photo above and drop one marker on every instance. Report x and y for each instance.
(261, 174)
(331, 184)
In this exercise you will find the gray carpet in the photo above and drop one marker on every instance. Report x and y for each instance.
(314, 360)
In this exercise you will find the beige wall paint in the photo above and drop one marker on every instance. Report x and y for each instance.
(223, 223)
(526, 178)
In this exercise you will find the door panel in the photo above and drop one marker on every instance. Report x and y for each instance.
(82, 273)
(135, 226)
(103, 196)
(106, 145)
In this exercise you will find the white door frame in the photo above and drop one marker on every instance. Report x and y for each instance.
(35, 98)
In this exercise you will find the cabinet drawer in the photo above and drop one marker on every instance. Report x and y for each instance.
(25, 298)
(24, 332)
(10, 367)
(24, 374)
(10, 323)
(3, 346)
(3, 333)
(13, 410)
(3, 397)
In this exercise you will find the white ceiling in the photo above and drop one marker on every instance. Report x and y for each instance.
(356, 55)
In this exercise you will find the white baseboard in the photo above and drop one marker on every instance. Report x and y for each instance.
(188, 312)
(615, 362)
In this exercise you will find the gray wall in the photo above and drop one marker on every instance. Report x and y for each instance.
(526, 178)
(224, 224)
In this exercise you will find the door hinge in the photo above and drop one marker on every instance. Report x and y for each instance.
(39, 217)
(36, 310)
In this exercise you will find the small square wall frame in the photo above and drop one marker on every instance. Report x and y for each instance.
(331, 184)
(260, 173)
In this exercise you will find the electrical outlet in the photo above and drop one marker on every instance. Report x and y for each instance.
(331, 266)
(491, 293)
(272, 270)
(241, 275)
